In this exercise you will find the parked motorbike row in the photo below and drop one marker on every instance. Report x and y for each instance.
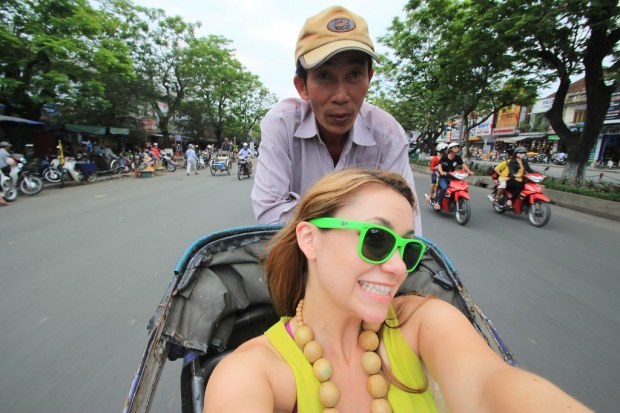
(29, 177)
(531, 201)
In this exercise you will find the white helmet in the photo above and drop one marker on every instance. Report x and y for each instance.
(441, 146)
(155, 144)
(453, 144)
(245, 145)
(208, 146)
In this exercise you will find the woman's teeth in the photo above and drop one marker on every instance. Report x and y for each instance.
(376, 288)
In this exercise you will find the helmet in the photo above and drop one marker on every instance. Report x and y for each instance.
(5, 144)
(453, 144)
(155, 144)
(441, 146)
(208, 146)
(520, 149)
(245, 145)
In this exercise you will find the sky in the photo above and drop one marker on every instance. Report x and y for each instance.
(264, 32)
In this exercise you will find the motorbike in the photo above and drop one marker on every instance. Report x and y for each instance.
(559, 158)
(106, 164)
(243, 168)
(532, 201)
(50, 171)
(168, 162)
(79, 171)
(456, 198)
(8, 187)
(22, 177)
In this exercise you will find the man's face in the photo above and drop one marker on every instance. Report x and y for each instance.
(336, 91)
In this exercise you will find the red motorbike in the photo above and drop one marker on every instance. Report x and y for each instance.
(456, 198)
(532, 201)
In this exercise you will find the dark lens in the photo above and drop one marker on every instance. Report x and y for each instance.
(412, 254)
(377, 244)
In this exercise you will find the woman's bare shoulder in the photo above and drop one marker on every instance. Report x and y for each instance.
(256, 369)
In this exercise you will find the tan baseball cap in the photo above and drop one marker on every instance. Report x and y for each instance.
(332, 31)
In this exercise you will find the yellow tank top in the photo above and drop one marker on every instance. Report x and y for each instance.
(404, 364)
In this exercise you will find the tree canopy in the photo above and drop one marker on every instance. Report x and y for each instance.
(114, 62)
(468, 59)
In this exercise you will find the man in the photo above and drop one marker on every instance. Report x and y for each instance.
(330, 127)
(245, 152)
(450, 162)
(192, 160)
(226, 146)
(5, 166)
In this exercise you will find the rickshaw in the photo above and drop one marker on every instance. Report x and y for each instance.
(221, 162)
(218, 299)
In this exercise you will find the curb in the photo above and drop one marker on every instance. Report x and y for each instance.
(593, 206)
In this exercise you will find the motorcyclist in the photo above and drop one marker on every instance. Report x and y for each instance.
(449, 162)
(246, 153)
(5, 156)
(501, 169)
(432, 190)
(517, 167)
(5, 166)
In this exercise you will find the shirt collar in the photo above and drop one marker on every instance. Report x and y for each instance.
(360, 133)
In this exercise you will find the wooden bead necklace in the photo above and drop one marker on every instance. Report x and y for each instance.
(329, 393)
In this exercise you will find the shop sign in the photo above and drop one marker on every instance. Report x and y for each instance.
(613, 113)
(504, 131)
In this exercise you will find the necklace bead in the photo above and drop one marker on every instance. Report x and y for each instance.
(329, 393)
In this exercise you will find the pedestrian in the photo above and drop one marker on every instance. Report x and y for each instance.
(345, 340)
(329, 127)
(192, 159)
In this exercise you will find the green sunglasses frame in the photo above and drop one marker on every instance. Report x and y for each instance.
(363, 227)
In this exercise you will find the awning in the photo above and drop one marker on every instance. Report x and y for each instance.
(516, 139)
(19, 120)
(119, 131)
(93, 130)
(473, 138)
(553, 138)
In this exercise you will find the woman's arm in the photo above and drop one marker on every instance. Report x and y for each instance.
(472, 377)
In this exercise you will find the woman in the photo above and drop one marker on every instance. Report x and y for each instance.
(338, 263)
(517, 167)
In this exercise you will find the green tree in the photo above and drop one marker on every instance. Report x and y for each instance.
(160, 56)
(563, 38)
(449, 62)
(223, 98)
(55, 52)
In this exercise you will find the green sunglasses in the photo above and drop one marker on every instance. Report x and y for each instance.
(378, 243)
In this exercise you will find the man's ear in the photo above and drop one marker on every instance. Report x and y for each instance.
(371, 73)
(300, 85)
(307, 239)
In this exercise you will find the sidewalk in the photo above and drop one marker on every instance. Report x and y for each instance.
(593, 206)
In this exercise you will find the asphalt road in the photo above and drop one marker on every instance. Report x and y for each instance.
(84, 267)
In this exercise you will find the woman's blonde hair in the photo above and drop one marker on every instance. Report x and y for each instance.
(286, 265)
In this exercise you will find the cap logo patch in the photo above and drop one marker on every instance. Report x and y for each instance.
(341, 25)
